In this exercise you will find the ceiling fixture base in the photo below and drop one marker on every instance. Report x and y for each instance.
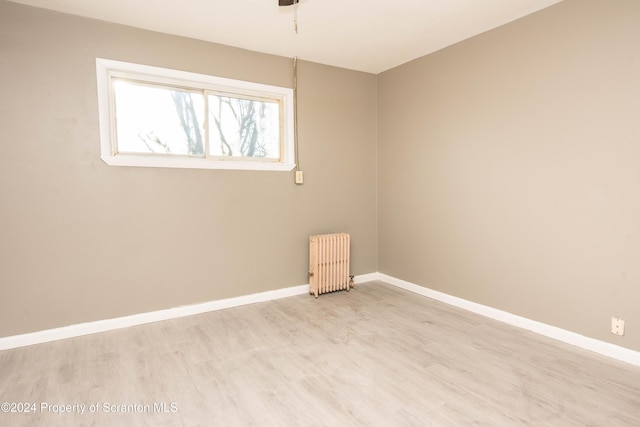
(287, 2)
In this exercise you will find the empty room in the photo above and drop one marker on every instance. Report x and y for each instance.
(320, 213)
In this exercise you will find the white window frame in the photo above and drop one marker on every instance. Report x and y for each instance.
(107, 69)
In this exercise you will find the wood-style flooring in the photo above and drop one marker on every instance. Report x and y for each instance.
(376, 356)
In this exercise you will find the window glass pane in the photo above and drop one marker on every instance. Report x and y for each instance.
(159, 120)
(244, 127)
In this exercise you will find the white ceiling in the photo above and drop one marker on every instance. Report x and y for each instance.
(364, 35)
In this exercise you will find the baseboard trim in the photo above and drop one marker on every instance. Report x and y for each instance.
(81, 329)
(601, 347)
(364, 278)
(607, 349)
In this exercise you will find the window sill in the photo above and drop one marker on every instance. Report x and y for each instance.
(194, 163)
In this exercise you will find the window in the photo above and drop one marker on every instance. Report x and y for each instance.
(159, 117)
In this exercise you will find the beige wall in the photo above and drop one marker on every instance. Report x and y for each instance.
(82, 241)
(509, 168)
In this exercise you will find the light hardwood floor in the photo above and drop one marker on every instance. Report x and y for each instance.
(376, 356)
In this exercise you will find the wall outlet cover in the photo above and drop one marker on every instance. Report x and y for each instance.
(617, 326)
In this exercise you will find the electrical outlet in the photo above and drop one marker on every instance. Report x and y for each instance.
(617, 326)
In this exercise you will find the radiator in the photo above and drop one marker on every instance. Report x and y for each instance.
(329, 263)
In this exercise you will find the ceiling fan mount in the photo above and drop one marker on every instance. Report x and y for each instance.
(287, 2)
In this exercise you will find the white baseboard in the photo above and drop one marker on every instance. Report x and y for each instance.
(155, 316)
(363, 278)
(601, 347)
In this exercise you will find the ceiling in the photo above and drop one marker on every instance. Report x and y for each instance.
(364, 35)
